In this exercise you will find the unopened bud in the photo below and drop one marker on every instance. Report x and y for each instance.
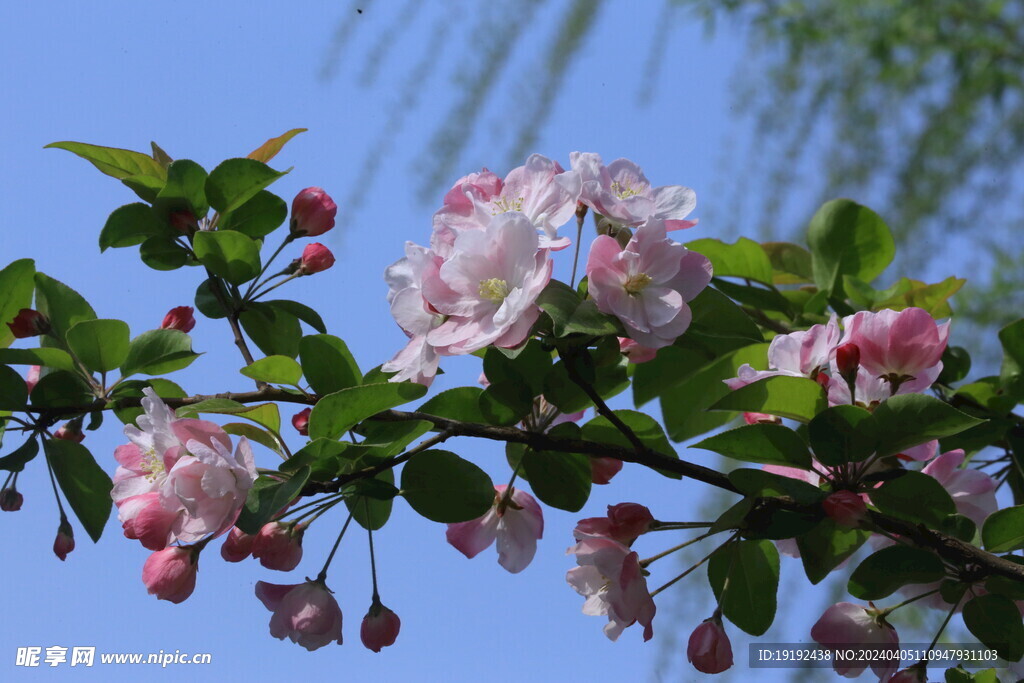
(315, 258)
(848, 360)
(65, 541)
(70, 431)
(313, 212)
(380, 627)
(300, 421)
(29, 323)
(179, 318)
(846, 508)
(11, 500)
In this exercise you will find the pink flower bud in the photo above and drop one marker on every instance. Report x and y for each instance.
(183, 221)
(380, 627)
(300, 421)
(65, 541)
(823, 380)
(237, 545)
(179, 318)
(603, 469)
(29, 323)
(32, 377)
(634, 352)
(278, 545)
(170, 574)
(709, 649)
(848, 360)
(315, 258)
(306, 613)
(758, 418)
(313, 212)
(624, 523)
(11, 500)
(846, 508)
(70, 432)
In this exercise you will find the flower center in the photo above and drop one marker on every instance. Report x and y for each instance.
(505, 204)
(494, 290)
(152, 464)
(624, 190)
(637, 283)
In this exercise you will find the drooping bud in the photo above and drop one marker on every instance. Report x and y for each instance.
(29, 323)
(315, 258)
(65, 541)
(70, 431)
(179, 318)
(32, 377)
(11, 500)
(300, 421)
(170, 574)
(380, 627)
(313, 212)
(237, 545)
(846, 508)
(848, 361)
(278, 545)
(709, 649)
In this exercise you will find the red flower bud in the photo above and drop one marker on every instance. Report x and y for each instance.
(603, 469)
(11, 500)
(237, 545)
(278, 545)
(300, 421)
(315, 258)
(709, 649)
(848, 360)
(179, 318)
(29, 323)
(380, 627)
(313, 212)
(70, 432)
(846, 508)
(65, 541)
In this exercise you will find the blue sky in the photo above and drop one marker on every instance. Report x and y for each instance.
(209, 81)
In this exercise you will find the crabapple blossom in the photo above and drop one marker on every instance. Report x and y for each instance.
(624, 523)
(315, 258)
(306, 613)
(709, 649)
(380, 627)
(313, 213)
(846, 508)
(646, 285)
(300, 421)
(602, 470)
(278, 545)
(621, 192)
(179, 318)
(541, 190)
(611, 579)
(488, 287)
(418, 360)
(515, 526)
(64, 543)
(29, 323)
(973, 492)
(237, 545)
(844, 624)
(904, 347)
(170, 574)
(804, 353)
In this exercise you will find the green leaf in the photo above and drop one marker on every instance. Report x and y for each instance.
(114, 162)
(848, 239)
(755, 296)
(258, 217)
(16, 286)
(759, 483)
(61, 304)
(253, 433)
(46, 356)
(372, 513)
(13, 390)
(336, 413)
(158, 352)
(84, 483)
(915, 497)
(827, 546)
(274, 370)
(101, 345)
(60, 389)
(159, 155)
(645, 427)
(791, 263)
(883, 572)
(672, 365)
(269, 149)
(571, 314)
(267, 497)
(266, 414)
(184, 189)
(843, 434)
(16, 460)
(530, 367)
(231, 255)
(768, 444)
(996, 622)
(323, 456)
(163, 253)
(567, 396)
(130, 225)
(745, 579)
(717, 317)
(461, 403)
(236, 181)
(300, 311)
(206, 300)
(133, 389)
(444, 488)
(274, 332)
(147, 187)
(911, 419)
(744, 259)
(797, 398)
(328, 364)
(561, 480)
(1003, 531)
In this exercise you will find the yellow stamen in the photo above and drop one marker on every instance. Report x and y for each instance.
(494, 290)
(152, 464)
(505, 204)
(636, 283)
(624, 191)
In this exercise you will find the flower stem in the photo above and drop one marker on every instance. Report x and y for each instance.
(373, 559)
(289, 238)
(702, 561)
(649, 560)
(581, 214)
(322, 576)
(53, 483)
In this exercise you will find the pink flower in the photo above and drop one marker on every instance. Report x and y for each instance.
(904, 347)
(973, 491)
(237, 545)
(804, 353)
(761, 418)
(380, 627)
(624, 523)
(306, 613)
(179, 318)
(11, 500)
(540, 190)
(313, 212)
(515, 527)
(64, 543)
(315, 258)
(170, 574)
(647, 284)
(488, 287)
(845, 624)
(29, 323)
(32, 377)
(278, 545)
(709, 649)
(70, 432)
(611, 579)
(634, 352)
(846, 508)
(621, 192)
(418, 361)
(300, 421)
(603, 469)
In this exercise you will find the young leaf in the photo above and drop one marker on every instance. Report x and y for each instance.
(114, 162)
(236, 181)
(45, 356)
(84, 483)
(275, 332)
(443, 487)
(16, 460)
(184, 190)
(269, 149)
(101, 345)
(300, 311)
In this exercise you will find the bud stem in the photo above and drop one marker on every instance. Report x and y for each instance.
(322, 576)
